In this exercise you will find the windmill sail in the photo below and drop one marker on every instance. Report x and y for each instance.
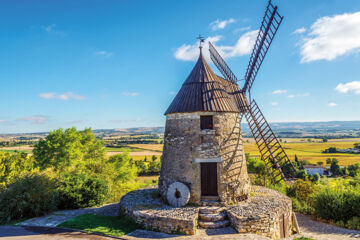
(277, 162)
(221, 64)
(267, 31)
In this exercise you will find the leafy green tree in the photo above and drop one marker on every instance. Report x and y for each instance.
(13, 165)
(316, 177)
(334, 167)
(62, 149)
(153, 158)
(324, 140)
(354, 169)
(320, 163)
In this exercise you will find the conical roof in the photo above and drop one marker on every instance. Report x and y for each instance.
(204, 91)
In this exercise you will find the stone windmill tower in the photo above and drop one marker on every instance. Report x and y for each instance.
(203, 150)
(203, 146)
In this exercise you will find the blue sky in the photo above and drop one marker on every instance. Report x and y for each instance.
(117, 64)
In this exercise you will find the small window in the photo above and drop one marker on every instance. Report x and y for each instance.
(206, 122)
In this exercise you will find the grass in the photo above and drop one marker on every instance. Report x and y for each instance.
(304, 238)
(108, 225)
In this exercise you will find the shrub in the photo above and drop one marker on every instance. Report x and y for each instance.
(353, 223)
(337, 204)
(304, 190)
(80, 190)
(301, 206)
(29, 196)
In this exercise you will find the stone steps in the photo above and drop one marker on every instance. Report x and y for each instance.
(213, 217)
(211, 210)
(214, 225)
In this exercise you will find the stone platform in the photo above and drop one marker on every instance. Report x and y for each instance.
(266, 212)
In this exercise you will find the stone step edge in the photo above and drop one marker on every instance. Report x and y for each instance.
(212, 217)
(214, 225)
(211, 210)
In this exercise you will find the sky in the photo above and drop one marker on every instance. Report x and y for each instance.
(118, 64)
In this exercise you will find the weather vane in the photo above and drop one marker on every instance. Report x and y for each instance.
(201, 40)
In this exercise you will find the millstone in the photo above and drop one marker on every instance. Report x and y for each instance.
(178, 194)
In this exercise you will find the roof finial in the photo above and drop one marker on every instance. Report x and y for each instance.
(201, 40)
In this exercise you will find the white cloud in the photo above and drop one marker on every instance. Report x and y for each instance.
(279, 91)
(63, 96)
(331, 37)
(242, 29)
(299, 30)
(274, 103)
(36, 119)
(243, 46)
(52, 29)
(104, 53)
(349, 87)
(218, 24)
(299, 95)
(332, 104)
(130, 94)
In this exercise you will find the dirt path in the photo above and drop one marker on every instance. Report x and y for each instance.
(44, 233)
(322, 231)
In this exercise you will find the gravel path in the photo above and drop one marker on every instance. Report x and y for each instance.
(55, 218)
(45, 233)
(323, 231)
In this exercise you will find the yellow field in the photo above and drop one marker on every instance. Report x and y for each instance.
(313, 151)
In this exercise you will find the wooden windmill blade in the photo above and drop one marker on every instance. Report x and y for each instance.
(269, 26)
(278, 164)
(221, 64)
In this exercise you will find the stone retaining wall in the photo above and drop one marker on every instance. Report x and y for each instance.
(267, 213)
(153, 214)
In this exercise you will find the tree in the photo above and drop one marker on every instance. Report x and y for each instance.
(354, 169)
(297, 162)
(334, 167)
(320, 163)
(301, 174)
(357, 145)
(65, 148)
(153, 158)
(316, 177)
(324, 140)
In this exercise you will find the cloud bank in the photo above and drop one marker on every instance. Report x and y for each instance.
(63, 96)
(331, 37)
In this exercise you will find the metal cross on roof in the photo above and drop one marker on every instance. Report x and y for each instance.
(201, 40)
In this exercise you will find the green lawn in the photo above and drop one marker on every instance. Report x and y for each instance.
(109, 225)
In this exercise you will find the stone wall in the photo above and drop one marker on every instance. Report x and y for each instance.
(184, 142)
(263, 214)
(150, 211)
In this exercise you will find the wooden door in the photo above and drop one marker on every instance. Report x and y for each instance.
(209, 179)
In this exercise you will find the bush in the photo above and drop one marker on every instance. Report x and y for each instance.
(353, 223)
(301, 206)
(337, 204)
(80, 190)
(29, 196)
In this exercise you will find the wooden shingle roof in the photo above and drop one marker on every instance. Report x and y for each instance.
(204, 91)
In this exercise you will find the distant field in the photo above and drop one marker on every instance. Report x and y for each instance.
(311, 151)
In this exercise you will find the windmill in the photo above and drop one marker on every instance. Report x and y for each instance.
(277, 162)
